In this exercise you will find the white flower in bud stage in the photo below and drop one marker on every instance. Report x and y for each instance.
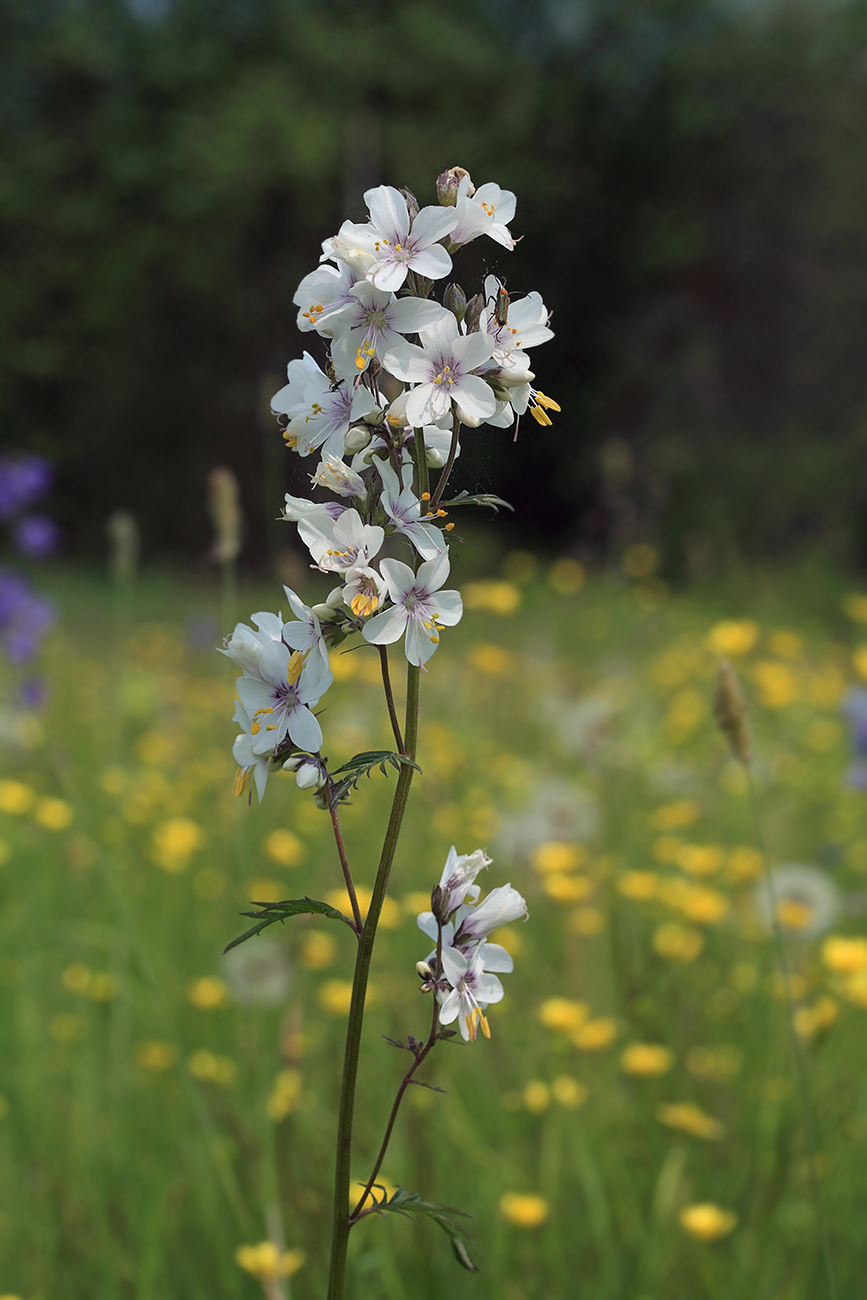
(371, 322)
(246, 648)
(474, 987)
(405, 510)
(420, 608)
(319, 415)
(442, 372)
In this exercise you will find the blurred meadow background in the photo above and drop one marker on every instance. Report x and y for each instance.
(691, 183)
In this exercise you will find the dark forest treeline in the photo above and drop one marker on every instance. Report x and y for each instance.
(692, 189)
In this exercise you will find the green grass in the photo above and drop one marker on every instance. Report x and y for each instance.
(577, 725)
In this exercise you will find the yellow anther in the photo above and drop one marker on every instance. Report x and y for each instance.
(441, 514)
(360, 363)
(483, 1021)
(255, 728)
(546, 401)
(295, 666)
(272, 726)
(242, 776)
(362, 605)
(539, 415)
(425, 496)
(449, 527)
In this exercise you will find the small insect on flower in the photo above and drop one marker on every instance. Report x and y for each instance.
(501, 306)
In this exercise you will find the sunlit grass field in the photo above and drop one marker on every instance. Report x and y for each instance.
(633, 1129)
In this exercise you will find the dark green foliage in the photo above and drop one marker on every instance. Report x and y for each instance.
(691, 185)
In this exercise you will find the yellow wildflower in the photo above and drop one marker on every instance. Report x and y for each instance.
(707, 1222)
(700, 859)
(569, 1092)
(285, 1094)
(586, 920)
(638, 885)
(53, 814)
(156, 1056)
(496, 597)
(210, 1068)
(716, 1063)
(284, 848)
(537, 1096)
(318, 949)
(844, 954)
(208, 992)
(492, 660)
(16, 797)
(390, 917)
(689, 1118)
(648, 1059)
(567, 889)
(675, 816)
(266, 1261)
(678, 942)
(174, 843)
(563, 1014)
(566, 576)
(557, 857)
(815, 1019)
(733, 637)
(595, 1035)
(525, 1210)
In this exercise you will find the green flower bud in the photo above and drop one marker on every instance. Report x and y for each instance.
(447, 186)
(455, 301)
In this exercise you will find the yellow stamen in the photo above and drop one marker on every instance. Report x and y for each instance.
(546, 401)
(296, 664)
(539, 415)
(362, 605)
(242, 778)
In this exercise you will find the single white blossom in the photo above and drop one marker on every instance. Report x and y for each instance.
(441, 371)
(405, 510)
(402, 244)
(371, 321)
(420, 609)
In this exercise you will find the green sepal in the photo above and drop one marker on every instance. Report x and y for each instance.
(478, 499)
(272, 912)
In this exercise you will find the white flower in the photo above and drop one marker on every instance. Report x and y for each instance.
(457, 883)
(364, 591)
(487, 212)
(248, 762)
(404, 510)
(342, 545)
(417, 609)
(526, 326)
(322, 293)
(334, 474)
(371, 322)
(442, 372)
(806, 901)
(319, 415)
(501, 906)
(306, 633)
(278, 699)
(473, 988)
(401, 244)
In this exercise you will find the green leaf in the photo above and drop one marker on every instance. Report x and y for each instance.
(272, 912)
(363, 764)
(410, 1203)
(478, 499)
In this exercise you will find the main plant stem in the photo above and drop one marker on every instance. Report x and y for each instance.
(340, 1236)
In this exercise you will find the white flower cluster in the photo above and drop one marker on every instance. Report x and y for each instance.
(464, 971)
(382, 405)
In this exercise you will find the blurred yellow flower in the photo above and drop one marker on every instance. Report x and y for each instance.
(154, 1055)
(496, 597)
(717, 1063)
(390, 918)
(175, 841)
(492, 660)
(208, 993)
(700, 859)
(639, 560)
(562, 1014)
(520, 566)
(557, 857)
(284, 848)
(595, 1035)
(103, 986)
(815, 1019)
(700, 903)
(675, 816)
(569, 1092)
(567, 889)
(266, 1261)
(66, 1028)
(685, 711)
(566, 576)
(638, 885)
(689, 1118)
(844, 954)
(285, 1094)
(678, 942)
(76, 977)
(777, 685)
(707, 1222)
(53, 814)
(788, 645)
(855, 606)
(586, 920)
(525, 1210)
(537, 1096)
(16, 797)
(264, 890)
(733, 637)
(318, 950)
(210, 1068)
(744, 863)
(649, 1059)
(667, 848)
(335, 997)
(859, 660)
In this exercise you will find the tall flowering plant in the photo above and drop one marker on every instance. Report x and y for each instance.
(408, 361)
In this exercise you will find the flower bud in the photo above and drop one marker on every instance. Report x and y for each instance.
(293, 763)
(475, 307)
(389, 387)
(423, 971)
(411, 203)
(439, 903)
(357, 438)
(309, 776)
(448, 183)
(455, 301)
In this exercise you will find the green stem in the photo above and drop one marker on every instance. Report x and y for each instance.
(421, 463)
(447, 468)
(341, 853)
(340, 1237)
(389, 699)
